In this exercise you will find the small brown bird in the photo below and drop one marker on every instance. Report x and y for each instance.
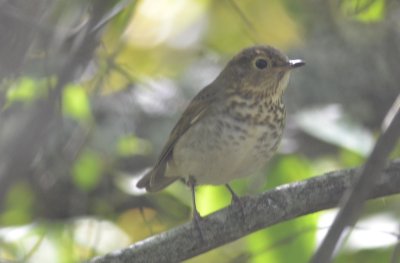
(231, 128)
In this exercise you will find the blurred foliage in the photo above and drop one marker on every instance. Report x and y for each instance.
(87, 170)
(287, 242)
(132, 145)
(19, 205)
(364, 10)
(76, 103)
(25, 89)
(297, 236)
(90, 89)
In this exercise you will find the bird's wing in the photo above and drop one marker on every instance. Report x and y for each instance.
(155, 180)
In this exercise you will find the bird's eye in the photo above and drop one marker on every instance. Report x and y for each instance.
(261, 63)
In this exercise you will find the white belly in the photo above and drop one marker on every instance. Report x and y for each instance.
(223, 152)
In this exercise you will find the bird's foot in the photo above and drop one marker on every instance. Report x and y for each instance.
(236, 201)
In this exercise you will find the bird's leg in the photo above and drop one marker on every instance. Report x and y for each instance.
(196, 216)
(192, 184)
(235, 199)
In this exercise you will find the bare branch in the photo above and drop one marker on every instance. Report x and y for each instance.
(283, 203)
(355, 197)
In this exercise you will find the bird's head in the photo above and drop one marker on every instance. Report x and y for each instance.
(262, 70)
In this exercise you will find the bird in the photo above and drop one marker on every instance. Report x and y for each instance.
(231, 128)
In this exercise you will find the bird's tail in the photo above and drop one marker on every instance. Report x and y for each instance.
(155, 180)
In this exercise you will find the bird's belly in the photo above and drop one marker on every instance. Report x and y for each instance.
(217, 152)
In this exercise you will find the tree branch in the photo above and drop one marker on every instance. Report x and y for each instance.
(354, 198)
(280, 204)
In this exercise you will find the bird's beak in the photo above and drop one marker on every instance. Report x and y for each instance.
(295, 63)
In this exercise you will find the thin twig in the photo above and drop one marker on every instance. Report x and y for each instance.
(252, 34)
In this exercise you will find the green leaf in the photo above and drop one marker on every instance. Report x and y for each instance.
(210, 198)
(19, 205)
(292, 241)
(350, 158)
(87, 170)
(76, 103)
(289, 168)
(364, 10)
(131, 145)
(25, 89)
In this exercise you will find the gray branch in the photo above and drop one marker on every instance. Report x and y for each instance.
(278, 205)
(356, 196)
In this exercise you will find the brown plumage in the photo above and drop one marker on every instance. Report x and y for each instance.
(231, 128)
